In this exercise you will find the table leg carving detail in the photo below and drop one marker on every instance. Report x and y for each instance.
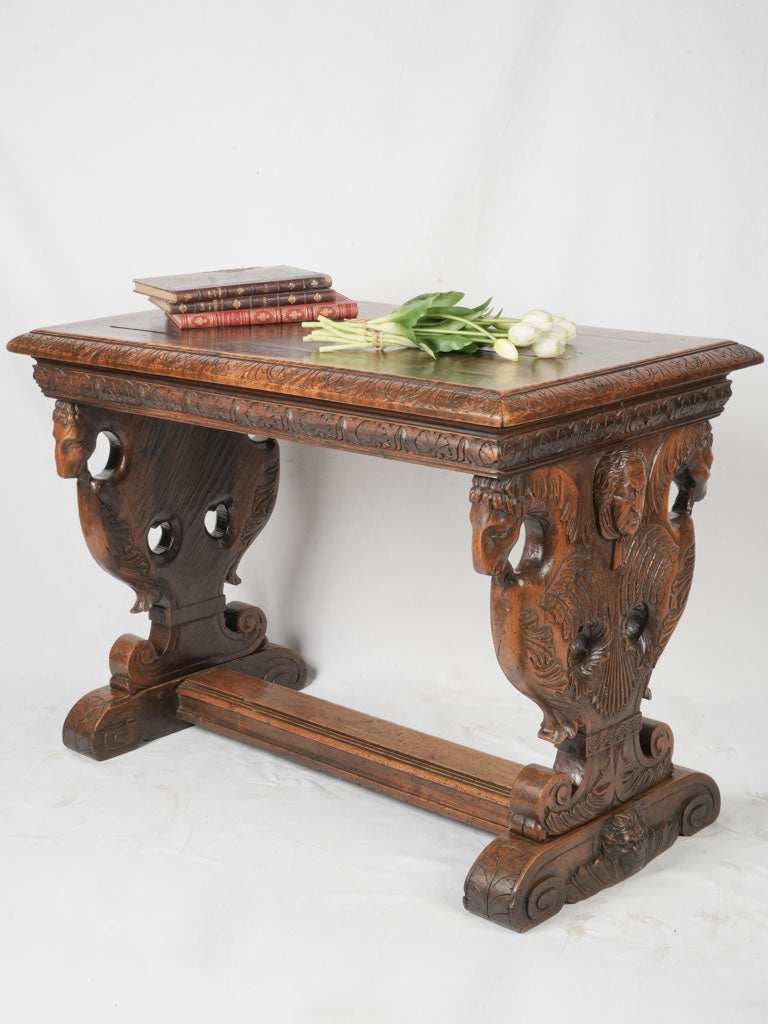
(581, 620)
(519, 883)
(171, 514)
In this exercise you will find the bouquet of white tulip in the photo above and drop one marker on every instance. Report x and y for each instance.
(435, 323)
(546, 335)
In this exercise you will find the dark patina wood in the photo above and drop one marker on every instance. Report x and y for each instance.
(160, 481)
(599, 458)
(445, 777)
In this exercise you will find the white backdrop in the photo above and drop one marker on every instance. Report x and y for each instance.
(605, 160)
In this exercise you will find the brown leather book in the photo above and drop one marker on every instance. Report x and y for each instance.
(228, 284)
(248, 301)
(343, 309)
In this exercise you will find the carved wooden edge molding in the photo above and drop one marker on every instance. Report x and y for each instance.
(398, 394)
(456, 402)
(479, 453)
(630, 381)
(518, 883)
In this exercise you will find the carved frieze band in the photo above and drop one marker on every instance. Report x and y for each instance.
(559, 440)
(313, 425)
(456, 402)
(452, 449)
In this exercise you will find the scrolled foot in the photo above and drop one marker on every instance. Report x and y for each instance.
(276, 664)
(518, 882)
(107, 722)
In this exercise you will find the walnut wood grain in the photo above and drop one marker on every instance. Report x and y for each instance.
(582, 618)
(601, 367)
(167, 477)
(599, 456)
(519, 883)
(444, 777)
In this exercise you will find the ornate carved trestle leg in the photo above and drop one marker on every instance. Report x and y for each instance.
(578, 625)
(171, 514)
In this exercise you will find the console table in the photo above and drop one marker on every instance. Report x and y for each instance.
(596, 459)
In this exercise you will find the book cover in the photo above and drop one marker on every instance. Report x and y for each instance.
(248, 301)
(227, 284)
(343, 309)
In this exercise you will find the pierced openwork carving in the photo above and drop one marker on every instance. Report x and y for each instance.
(143, 518)
(581, 620)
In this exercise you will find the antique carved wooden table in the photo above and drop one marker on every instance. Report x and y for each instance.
(581, 453)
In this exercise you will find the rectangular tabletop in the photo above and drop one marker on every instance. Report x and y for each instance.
(471, 413)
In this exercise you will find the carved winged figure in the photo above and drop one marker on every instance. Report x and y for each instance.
(582, 618)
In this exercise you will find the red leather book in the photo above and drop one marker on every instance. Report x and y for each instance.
(230, 284)
(342, 309)
(248, 301)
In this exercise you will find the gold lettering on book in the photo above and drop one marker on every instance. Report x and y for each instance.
(318, 297)
(315, 284)
(236, 303)
(291, 284)
(291, 298)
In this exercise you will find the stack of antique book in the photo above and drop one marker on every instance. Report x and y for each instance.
(251, 295)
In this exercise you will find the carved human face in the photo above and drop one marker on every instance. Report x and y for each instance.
(624, 841)
(629, 498)
(619, 492)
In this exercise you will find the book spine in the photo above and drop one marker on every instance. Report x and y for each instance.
(251, 301)
(265, 315)
(235, 291)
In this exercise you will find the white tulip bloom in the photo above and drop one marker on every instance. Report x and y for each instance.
(505, 349)
(568, 325)
(523, 334)
(551, 344)
(540, 318)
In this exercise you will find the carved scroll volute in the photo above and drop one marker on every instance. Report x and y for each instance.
(144, 520)
(580, 621)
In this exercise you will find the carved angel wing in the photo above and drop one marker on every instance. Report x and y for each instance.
(576, 595)
(264, 498)
(540, 492)
(651, 561)
(125, 557)
(678, 596)
(551, 688)
(553, 488)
